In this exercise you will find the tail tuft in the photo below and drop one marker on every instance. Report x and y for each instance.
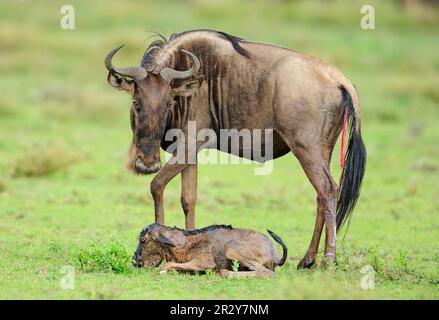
(284, 247)
(354, 165)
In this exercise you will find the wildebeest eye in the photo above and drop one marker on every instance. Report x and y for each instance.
(133, 125)
(136, 105)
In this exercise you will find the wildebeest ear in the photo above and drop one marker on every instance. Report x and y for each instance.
(186, 88)
(165, 241)
(119, 82)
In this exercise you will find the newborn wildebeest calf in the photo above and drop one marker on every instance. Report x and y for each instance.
(214, 247)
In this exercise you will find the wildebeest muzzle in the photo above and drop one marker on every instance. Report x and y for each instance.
(136, 260)
(141, 167)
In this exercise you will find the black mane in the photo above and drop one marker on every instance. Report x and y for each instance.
(208, 228)
(149, 55)
(198, 231)
(188, 232)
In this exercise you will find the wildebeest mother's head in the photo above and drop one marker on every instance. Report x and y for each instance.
(153, 91)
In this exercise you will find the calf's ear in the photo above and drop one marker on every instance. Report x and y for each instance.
(119, 82)
(165, 241)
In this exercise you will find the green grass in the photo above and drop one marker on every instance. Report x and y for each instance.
(112, 257)
(66, 197)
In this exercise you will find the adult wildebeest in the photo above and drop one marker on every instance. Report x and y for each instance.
(228, 82)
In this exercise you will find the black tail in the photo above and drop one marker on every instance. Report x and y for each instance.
(354, 165)
(284, 247)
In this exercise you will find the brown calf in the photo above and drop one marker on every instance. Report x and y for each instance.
(215, 247)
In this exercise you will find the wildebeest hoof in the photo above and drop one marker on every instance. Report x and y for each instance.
(305, 264)
(329, 261)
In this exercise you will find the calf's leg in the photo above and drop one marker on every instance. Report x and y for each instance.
(247, 257)
(256, 270)
(247, 274)
(193, 265)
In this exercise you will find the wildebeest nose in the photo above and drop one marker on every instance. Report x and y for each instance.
(136, 261)
(143, 168)
(140, 165)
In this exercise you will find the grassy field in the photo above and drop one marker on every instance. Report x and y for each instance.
(67, 199)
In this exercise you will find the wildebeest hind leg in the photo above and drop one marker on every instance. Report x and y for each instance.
(315, 161)
(316, 167)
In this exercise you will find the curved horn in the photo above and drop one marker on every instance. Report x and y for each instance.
(169, 74)
(137, 73)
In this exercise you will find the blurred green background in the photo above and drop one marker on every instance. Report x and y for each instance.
(66, 196)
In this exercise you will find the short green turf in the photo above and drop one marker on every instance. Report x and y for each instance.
(66, 198)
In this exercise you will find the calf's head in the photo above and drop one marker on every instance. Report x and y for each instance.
(153, 246)
(152, 97)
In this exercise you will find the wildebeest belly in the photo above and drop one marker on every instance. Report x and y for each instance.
(247, 144)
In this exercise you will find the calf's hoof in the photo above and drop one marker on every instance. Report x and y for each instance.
(225, 273)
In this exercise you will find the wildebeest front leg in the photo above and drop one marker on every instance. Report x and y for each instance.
(158, 184)
(189, 194)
